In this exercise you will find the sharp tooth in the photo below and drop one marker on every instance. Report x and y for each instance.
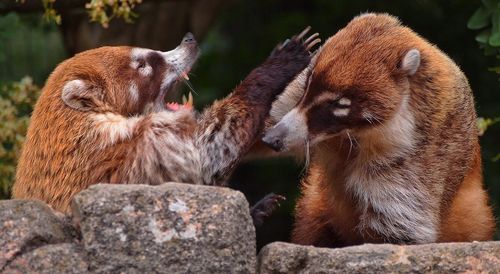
(190, 100)
(184, 100)
(184, 75)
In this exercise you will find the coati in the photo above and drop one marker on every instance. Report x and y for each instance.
(101, 118)
(391, 125)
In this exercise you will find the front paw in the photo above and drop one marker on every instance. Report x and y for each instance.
(296, 47)
(265, 207)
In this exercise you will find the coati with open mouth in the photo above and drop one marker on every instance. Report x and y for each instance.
(101, 118)
(395, 155)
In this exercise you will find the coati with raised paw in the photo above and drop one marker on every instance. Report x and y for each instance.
(391, 125)
(101, 118)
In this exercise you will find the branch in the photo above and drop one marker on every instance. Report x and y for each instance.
(37, 5)
(27, 6)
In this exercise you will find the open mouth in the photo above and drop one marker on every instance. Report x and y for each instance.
(186, 102)
(181, 59)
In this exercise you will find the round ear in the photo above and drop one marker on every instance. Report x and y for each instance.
(80, 95)
(411, 61)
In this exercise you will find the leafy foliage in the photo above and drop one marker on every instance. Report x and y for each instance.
(484, 123)
(49, 12)
(487, 19)
(101, 11)
(16, 104)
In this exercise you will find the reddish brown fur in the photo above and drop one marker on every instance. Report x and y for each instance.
(419, 159)
(112, 137)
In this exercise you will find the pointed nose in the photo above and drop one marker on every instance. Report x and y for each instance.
(274, 143)
(188, 39)
(274, 138)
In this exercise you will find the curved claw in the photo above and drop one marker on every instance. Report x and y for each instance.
(310, 38)
(303, 33)
(310, 41)
(313, 43)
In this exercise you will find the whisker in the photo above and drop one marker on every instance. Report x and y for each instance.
(186, 82)
(355, 141)
(190, 86)
(351, 144)
(377, 119)
(307, 152)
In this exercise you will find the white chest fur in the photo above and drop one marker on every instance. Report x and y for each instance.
(393, 201)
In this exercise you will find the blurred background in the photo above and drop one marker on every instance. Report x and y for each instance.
(235, 36)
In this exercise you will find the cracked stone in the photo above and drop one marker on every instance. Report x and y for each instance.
(170, 228)
(26, 225)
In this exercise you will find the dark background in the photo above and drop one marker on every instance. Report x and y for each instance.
(235, 37)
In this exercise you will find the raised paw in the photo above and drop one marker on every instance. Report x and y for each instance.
(297, 44)
(265, 207)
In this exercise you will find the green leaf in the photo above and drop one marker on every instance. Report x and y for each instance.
(489, 50)
(494, 39)
(495, 69)
(496, 158)
(490, 4)
(483, 36)
(480, 18)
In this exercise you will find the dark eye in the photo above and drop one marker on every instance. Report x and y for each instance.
(141, 65)
(333, 103)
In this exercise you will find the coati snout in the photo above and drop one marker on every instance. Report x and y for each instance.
(349, 98)
(136, 80)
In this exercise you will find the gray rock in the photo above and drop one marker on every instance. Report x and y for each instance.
(438, 258)
(50, 259)
(26, 225)
(171, 228)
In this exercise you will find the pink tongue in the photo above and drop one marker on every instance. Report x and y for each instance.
(173, 106)
(176, 106)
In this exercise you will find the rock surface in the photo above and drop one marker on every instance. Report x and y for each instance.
(182, 228)
(50, 259)
(171, 228)
(369, 258)
(26, 225)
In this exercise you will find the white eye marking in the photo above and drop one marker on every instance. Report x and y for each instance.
(344, 101)
(134, 91)
(134, 64)
(341, 112)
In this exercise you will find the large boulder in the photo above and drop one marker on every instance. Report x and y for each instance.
(26, 225)
(170, 228)
(385, 258)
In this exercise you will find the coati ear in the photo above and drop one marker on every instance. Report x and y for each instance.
(80, 95)
(411, 61)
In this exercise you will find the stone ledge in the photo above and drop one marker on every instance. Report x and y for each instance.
(477, 257)
(170, 228)
(182, 228)
(27, 225)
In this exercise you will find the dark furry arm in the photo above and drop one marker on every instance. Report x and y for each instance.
(226, 131)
